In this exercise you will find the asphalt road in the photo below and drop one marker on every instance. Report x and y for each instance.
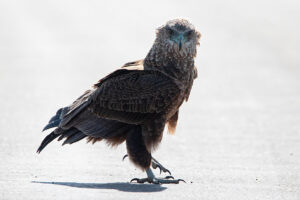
(238, 136)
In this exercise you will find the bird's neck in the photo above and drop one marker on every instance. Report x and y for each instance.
(174, 64)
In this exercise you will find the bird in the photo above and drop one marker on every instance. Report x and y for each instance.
(136, 102)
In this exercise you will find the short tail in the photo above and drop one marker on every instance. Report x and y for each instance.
(71, 135)
(54, 122)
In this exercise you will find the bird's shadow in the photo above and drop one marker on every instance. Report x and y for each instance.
(125, 187)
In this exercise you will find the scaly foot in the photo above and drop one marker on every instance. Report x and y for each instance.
(152, 179)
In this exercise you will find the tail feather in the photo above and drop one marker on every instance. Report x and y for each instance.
(47, 140)
(52, 124)
(68, 133)
(72, 135)
(55, 120)
(74, 138)
(56, 116)
(84, 125)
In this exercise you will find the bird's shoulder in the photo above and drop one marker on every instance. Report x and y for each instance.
(130, 91)
(135, 65)
(136, 71)
(143, 91)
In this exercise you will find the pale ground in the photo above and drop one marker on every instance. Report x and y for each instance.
(238, 136)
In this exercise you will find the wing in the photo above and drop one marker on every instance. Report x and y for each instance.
(69, 112)
(132, 96)
(117, 103)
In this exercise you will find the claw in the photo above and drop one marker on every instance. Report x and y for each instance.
(166, 170)
(124, 157)
(181, 180)
(134, 179)
(170, 177)
(140, 180)
(156, 164)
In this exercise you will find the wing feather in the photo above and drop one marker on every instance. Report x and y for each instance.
(134, 95)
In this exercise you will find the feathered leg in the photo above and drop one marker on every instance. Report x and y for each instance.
(140, 156)
(136, 149)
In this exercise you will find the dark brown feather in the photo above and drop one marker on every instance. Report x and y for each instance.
(136, 102)
(135, 96)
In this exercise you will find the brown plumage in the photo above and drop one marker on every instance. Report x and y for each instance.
(134, 103)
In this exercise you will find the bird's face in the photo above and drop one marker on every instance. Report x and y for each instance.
(180, 36)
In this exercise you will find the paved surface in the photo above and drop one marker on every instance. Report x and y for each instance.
(238, 136)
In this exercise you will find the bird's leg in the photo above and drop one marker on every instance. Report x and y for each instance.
(152, 179)
(155, 164)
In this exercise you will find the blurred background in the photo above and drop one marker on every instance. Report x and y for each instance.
(237, 137)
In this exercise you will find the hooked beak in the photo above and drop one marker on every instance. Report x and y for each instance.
(180, 41)
(180, 45)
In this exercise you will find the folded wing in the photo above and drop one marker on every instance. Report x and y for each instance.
(133, 96)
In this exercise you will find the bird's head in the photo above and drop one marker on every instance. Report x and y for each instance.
(179, 36)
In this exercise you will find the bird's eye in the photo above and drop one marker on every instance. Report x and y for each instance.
(188, 34)
(170, 31)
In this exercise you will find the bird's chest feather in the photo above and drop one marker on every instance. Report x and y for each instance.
(186, 87)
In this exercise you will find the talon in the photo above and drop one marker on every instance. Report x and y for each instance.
(140, 180)
(156, 164)
(170, 177)
(181, 180)
(134, 179)
(137, 180)
(124, 157)
(166, 170)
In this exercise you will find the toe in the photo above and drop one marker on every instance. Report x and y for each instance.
(140, 180)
